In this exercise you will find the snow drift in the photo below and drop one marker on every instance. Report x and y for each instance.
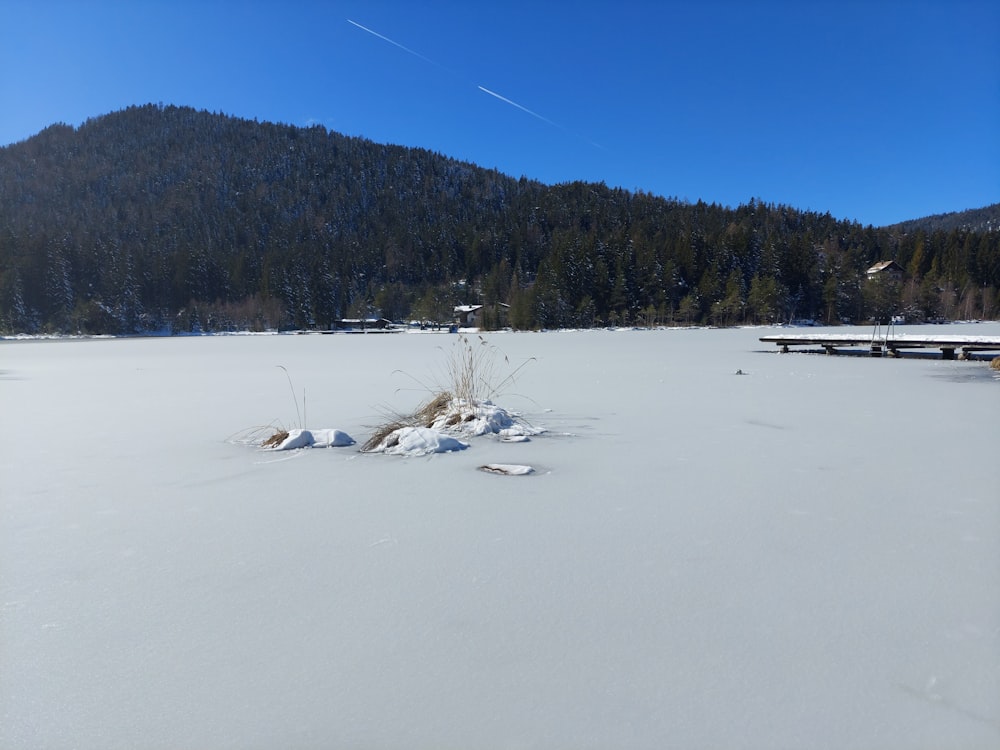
(325, 438)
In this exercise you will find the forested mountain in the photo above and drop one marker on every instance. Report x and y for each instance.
(974, 220)
(166, 218)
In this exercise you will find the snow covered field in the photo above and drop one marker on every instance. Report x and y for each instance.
(803, 556)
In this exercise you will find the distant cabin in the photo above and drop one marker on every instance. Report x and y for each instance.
(467, 316)
(886, 269)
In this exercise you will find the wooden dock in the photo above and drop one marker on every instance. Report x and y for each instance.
(889, 345)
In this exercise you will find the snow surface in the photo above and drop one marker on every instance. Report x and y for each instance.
(807, 556)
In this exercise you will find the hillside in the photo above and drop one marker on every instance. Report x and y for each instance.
(167, 218)
(974, 220)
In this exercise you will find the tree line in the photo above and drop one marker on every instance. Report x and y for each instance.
(164, 218)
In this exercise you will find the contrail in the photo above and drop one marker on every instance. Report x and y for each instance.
(523, 109)
(540, 117)
(485, 90)
(396, 44)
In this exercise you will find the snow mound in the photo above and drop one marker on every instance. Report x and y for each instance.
(417, 441)
(437, 426)
(510, 470)
(514, 438)
(325, 438)
(477, 418)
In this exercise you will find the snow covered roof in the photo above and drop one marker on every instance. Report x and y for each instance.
(884, 265)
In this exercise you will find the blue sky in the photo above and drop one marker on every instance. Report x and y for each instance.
(874, 111)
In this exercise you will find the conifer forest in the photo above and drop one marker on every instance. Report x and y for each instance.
(167, 219)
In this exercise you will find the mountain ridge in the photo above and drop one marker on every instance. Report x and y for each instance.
(169, 217)
(985, 219)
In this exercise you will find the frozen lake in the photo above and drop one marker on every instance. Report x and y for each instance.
(806, 555)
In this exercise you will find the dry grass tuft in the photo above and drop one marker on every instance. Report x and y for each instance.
(425, 416)
(384, 432)
(475, 370)
(275, 440)
(474, 374)
(262, 436)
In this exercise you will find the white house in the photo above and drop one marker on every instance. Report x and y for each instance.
(467, 316)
